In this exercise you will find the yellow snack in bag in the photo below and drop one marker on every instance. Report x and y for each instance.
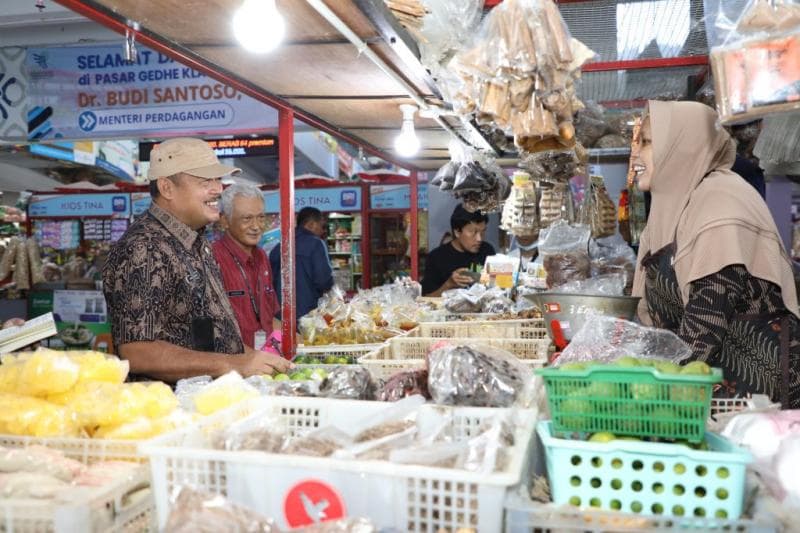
(23, 415)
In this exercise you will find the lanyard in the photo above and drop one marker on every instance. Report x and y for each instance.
(247, 284)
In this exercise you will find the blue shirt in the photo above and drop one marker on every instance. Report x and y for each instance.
(314, 274)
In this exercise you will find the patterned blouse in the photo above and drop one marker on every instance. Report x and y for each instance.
(158, 278)
(734, 321)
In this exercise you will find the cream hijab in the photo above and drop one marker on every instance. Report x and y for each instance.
(715, 217)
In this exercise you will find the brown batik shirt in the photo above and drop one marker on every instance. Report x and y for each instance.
(159, 277)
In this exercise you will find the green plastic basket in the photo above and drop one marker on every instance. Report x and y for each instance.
(649, 478)
(633, 401)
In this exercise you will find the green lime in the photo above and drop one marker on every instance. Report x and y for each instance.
(658, 488)
(595, 502)
(616, 463)
(597, 462)
(575, 460)
(723, 472)
(636, 507)
(657, 508)
(700, 492)
(343, 360)
(679, 468)
(678, 510)
(616, 505)
(722, 513)
(699, 511)
(616, 484)
(658, 466)
(281, 377)
(701, 471)
(636, 486)
(638, 465)
(596, 483)
(575, 481)
(575, 501)
(722, 494)
(678, 490)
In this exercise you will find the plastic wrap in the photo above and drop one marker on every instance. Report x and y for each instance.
(22, 271)
(607, 285)
(476, 376)
(598, 210)
(590, 125)
(322, 442)
(755, 58)
(613, 256)
(255, 432)
(41, 373)
(23, 415)
(404, 384)
(352, 383)
(565, 254)
(40, 460)
(223, 392)
(555, 204)
(605, 339)
(474, 179)
(196, 511)
(35, 261)
(24, 485)
(485, 453)
(521, 210)
(554, 165)
(343, 525)
(8, 258)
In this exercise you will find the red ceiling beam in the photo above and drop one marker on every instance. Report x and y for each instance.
(101, 15)
(639, 64)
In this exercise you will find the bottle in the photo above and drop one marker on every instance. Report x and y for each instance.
(624, 216)
(260, 339)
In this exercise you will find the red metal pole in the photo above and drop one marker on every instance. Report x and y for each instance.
(366, 236)
(414, 226)
(286, 176)
(639, 64)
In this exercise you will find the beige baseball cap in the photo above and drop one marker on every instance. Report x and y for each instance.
(187, 155)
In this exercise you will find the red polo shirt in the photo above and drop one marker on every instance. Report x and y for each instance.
(257, 281)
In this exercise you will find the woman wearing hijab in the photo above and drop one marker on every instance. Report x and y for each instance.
(711, 265)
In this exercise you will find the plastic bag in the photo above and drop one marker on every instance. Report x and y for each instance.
(553, 165)
(23, 415)
(45, 372)
(255, 432)
(223, 392)
(755, 57)
(613, 256)
(322, 442)
(35, 261)
(40, 460)
(22, 272)
(598, 210)
(348, 382)
(196, 511)
(343, 525)
(565, 256)
(521, 210)
(404, 384)
(604, 339)
(464, 300)
(476, 376)
(485, 453)
(9, 256)
(607, 285)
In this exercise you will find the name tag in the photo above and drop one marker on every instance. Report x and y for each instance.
(235, 293)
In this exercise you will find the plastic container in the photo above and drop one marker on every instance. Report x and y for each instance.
(498, 329)
(408, 498)
(635, 401)
(107, 510)
(403, 353)
(647, 478)
(526, 517)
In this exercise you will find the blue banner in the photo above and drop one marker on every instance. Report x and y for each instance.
(81, 92)
(325, 199)
(385, 197)
(116, 205)
(140, 202)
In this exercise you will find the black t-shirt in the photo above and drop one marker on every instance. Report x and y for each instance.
(444, 260)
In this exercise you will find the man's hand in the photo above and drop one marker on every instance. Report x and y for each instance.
(459, 278)
(255, 362)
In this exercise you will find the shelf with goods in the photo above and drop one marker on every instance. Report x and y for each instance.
(389, 245)
(343, 238)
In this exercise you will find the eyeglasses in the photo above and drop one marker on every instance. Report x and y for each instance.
(248, 220)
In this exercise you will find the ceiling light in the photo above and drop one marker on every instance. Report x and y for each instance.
(407, 144)
(258, 25)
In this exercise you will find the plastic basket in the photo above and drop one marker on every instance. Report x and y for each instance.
(647, 478)
(499, 329)
(405, 353)
(351, 351)
(408, 498)
(546, 518)
(635, 401)
(111, 509)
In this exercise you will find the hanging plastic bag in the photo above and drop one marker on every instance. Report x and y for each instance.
(9, 257)
(565, 254)
(598, 210)
(613, 256)
(196, 511)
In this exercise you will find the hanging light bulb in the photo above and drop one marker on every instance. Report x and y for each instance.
(407, 144)
(258, 25)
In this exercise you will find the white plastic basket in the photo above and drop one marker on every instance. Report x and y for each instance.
(722, 406)
(126, 506)
(408, 498)
(353, 351)
(498, 329)
(405, 353)
(527, 517)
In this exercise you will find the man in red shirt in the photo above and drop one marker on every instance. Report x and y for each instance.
(246, 272)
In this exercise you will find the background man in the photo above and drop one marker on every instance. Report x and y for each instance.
(312, 264)
(170, 316)
(246, 272)
(448, 266)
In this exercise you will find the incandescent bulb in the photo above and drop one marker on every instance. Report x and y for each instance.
(258, 25)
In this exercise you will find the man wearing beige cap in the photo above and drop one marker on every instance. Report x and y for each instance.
(170, 315)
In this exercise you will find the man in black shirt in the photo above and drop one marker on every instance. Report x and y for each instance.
(448, 266)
